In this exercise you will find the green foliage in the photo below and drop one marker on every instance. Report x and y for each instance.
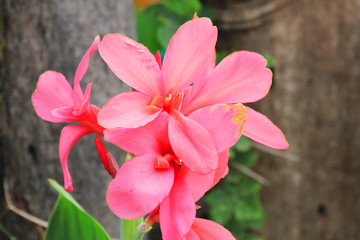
(159, 22)
(70, 221)
(235, 202)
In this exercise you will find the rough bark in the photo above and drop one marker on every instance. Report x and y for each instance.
(315, 101)
(38, 35)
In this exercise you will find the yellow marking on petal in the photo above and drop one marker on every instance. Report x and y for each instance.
(239, 117)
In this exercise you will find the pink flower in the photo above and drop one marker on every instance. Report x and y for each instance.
(187, 80)
(158, 179)
(54, 100)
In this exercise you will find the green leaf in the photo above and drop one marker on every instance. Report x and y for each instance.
(183, 7)
(70, 221)
(243, 145)
(221, 206)
(248, 186)
(147, 26)
(271, 62)
(206, 12)
(166, 32)
(251, 236)
(7, 233)
(247, 159)
(249, 209)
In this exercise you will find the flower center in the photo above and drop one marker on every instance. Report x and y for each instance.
(166, 103)
(166, 160)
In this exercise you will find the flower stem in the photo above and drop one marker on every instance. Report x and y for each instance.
(128, 229)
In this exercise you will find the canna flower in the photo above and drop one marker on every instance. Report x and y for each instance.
(54, 100)
(158, 180)
(186, 81)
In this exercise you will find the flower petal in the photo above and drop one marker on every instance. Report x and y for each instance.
(241, 77)
(80, 72)
(69, 136)
(152, 138)
(198, 184)
(85, 102)
(192, 143)
(133, 63)
(126, 110)
(222, 169)
(189, 53)
(53, 91)
(206, 229)
(223, 122)
(177, 211)
(191, 235)
(65, 113)
(139, 187)
(259, 128)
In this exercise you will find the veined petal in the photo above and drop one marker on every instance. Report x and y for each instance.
(80, 72)
(151, 138)
(241, 77)
(139, 187)
(69, 136)
(126, 110)
(189, 54)
(260, 129)
(192, 143)
(53, 91)
(133, 63)
(224, 123)
(177, 211)
(206, 229)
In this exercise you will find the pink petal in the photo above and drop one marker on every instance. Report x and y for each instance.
(223, 122)
(86, 101)
(189, 53)
(177, 211)
(192, 143)
(239, 78)
(259, 128)
(53, 91)
(65, 113)
(191, 235)
(152, 138)
(139, 187)
(198, 184)
(133, 63)
(222, 169)
(69, 136)
(206, 229)
(80, 72)
(126, 110)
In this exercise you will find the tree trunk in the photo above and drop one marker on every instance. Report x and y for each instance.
(40, 35)
(315, 100)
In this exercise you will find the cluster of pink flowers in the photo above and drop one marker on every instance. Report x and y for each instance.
(178, 122)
